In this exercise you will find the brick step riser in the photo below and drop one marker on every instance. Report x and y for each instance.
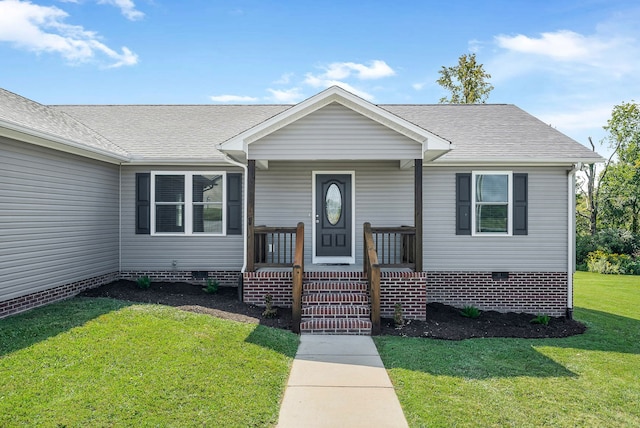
(336, 311)
(334, 287)
(356, 327)
(335, 298)
(363, 332)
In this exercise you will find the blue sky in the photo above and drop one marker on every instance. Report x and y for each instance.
(566, 62)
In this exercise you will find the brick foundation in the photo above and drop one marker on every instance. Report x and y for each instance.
(406, 288)
(526, 292)
(41, 298)
(226, 278)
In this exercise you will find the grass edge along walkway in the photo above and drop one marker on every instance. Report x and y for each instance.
(103, 362)
(587, 380)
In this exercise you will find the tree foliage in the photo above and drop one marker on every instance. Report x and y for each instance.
(467, 81)
(620, 188)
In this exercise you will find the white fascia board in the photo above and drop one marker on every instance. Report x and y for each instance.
(437, 143)
(324, 98)
(509, 163)
(184, 161)
(19, 133)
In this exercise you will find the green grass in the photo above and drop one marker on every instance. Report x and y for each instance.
(102, 362)
(587, 380)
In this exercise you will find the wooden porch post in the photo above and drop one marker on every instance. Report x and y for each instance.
(251, 205)
(417, 205)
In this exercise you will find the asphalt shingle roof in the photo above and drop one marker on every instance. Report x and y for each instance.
(492, 132)
(480, 132)
(172, 131)
(41, 119)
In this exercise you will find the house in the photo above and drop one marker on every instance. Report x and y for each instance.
(467, 204)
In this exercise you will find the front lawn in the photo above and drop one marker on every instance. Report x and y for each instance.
(104, 362)
(587, 380)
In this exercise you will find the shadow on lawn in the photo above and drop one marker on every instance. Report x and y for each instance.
(605, 332)
(498, 358)
(271, 338)
(23, 330)
(471, 359)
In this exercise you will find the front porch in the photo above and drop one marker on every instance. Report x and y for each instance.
(337, 299)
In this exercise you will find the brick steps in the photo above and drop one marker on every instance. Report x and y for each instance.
(336, 326)
(330, 307)
(335, 311)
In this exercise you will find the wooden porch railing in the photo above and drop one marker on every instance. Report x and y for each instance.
(372, 270)
(274, 246)
(395, 246)
(298, 275)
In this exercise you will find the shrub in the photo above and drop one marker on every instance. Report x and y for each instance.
(270, 311)
(398, 319)
(610, 241)
(541, 319)
(598, 261)
(144, 282)
(211, 287)
(470, 312)
(623, 264)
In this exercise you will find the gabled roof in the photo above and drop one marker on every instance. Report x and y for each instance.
(172, 133)
(335, 94)
(29, 121)
(481, 133)
(497, 133)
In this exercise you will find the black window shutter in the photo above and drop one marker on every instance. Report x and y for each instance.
(234, 204)
(463, 204)
(143, 203)
(520, 209)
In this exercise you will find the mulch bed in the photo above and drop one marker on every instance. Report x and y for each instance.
(443, 322)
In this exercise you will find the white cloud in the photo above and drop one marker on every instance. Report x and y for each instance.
(232, 99)
(287, 96)
(418, 86)
(609, 50)
(318, 82)
(577, 118)
(127, 8)
(561, 45)
(41, 29)
(342, 70)
(284, 79)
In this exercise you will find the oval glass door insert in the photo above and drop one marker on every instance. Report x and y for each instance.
(333, 204)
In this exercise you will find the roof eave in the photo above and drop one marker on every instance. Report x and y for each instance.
(177, 161)
(516, 162)
(39, 138)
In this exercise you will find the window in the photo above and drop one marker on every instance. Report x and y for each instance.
(491, 200)
(492, 203)
(191, 203)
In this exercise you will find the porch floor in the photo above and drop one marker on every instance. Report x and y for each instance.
(331, 268)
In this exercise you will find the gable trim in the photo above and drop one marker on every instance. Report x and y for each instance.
(338, 95)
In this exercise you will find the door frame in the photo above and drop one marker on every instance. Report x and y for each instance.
(329, 259)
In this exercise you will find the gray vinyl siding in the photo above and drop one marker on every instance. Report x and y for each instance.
(58, 218)
(383, 196)
(334, 132)
(543, 249)
(155, 253)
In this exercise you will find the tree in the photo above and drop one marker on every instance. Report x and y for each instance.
(467, 81)
(621, 189)
(588, 200)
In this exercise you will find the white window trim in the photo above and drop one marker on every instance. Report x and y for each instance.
(509, 175)
(188, 203)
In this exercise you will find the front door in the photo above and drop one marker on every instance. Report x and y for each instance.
(333, 217)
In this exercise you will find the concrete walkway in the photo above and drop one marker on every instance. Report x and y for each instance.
(339, 381)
